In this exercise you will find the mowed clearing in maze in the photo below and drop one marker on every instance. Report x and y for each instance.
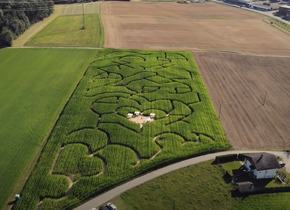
(239, 83)
(204, 26)
(94, 147)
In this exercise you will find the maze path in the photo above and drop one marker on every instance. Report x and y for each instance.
(95, 142)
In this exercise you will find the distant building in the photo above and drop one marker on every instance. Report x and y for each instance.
(261, 165)
(284, 9)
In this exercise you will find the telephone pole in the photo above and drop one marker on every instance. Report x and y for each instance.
(84, 25)
(265, 98)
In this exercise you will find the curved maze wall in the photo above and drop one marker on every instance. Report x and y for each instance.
(94, 147)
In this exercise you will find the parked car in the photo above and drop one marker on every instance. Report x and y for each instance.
(104, 208)
(111, 206)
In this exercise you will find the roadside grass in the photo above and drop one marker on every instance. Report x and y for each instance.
(66, 31)
(200, 186)
(192, 188)
(95, 146)
(278, 24)
(35, 85)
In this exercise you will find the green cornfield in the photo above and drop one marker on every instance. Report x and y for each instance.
(94, 147)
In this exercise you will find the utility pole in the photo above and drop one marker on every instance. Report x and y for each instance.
(265, 99)
(84, 26)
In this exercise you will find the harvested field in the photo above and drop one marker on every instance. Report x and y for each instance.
(199, 27)
(239, 83)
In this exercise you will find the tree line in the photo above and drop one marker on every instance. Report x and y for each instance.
(16, 16)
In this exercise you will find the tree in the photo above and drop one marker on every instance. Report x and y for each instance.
(17, 16)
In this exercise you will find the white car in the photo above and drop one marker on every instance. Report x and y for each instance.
(111, 206)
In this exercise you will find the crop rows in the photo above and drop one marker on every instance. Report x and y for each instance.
(93, 147)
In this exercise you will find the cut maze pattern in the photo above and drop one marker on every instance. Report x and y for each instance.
(94, 147)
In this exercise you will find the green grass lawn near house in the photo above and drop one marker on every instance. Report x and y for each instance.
(197, 187)
(35, 84)
(66, 31)
(230, 166)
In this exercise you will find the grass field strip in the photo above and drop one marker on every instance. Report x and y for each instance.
(94, 147)
(77, 9)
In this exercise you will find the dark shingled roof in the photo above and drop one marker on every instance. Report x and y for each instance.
(245, 186)
(263, 161)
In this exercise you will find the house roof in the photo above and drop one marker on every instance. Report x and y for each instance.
(263, 161)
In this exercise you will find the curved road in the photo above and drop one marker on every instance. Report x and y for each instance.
(103, 198)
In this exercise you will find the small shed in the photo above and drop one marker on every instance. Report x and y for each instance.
(284, 9)
(245, 187)
(152, 115)
(136, 113)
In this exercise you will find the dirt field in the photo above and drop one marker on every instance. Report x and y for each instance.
(239, 83)
(203, 26)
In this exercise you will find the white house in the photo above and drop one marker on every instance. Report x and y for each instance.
(261, 165)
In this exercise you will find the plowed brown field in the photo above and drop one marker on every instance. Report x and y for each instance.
(203, 26)
(239, 83)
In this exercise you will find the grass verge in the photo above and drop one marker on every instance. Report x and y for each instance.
(35, 85)
(66, 31)
(200, 186)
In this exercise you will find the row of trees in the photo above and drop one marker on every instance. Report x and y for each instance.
(17, 15)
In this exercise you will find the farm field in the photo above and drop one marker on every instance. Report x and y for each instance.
(67, 31)
(68, 9)
(35, 85)
(93, 147)
(196, 187)
(239, 83)
(77, 9)
(192, 27)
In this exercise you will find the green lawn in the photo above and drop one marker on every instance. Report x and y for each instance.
(230, 166)
(35, 84)
(67, 31)
(197, 187)
(97, 147)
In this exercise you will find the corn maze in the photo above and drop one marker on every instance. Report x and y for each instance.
(94, 147)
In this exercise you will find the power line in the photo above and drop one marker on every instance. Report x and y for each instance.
(30, 2)
(26, 9)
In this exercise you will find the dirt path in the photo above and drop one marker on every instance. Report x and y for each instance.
(67, 9)
(35, 28)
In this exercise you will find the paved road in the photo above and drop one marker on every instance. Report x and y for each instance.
(97, 201)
